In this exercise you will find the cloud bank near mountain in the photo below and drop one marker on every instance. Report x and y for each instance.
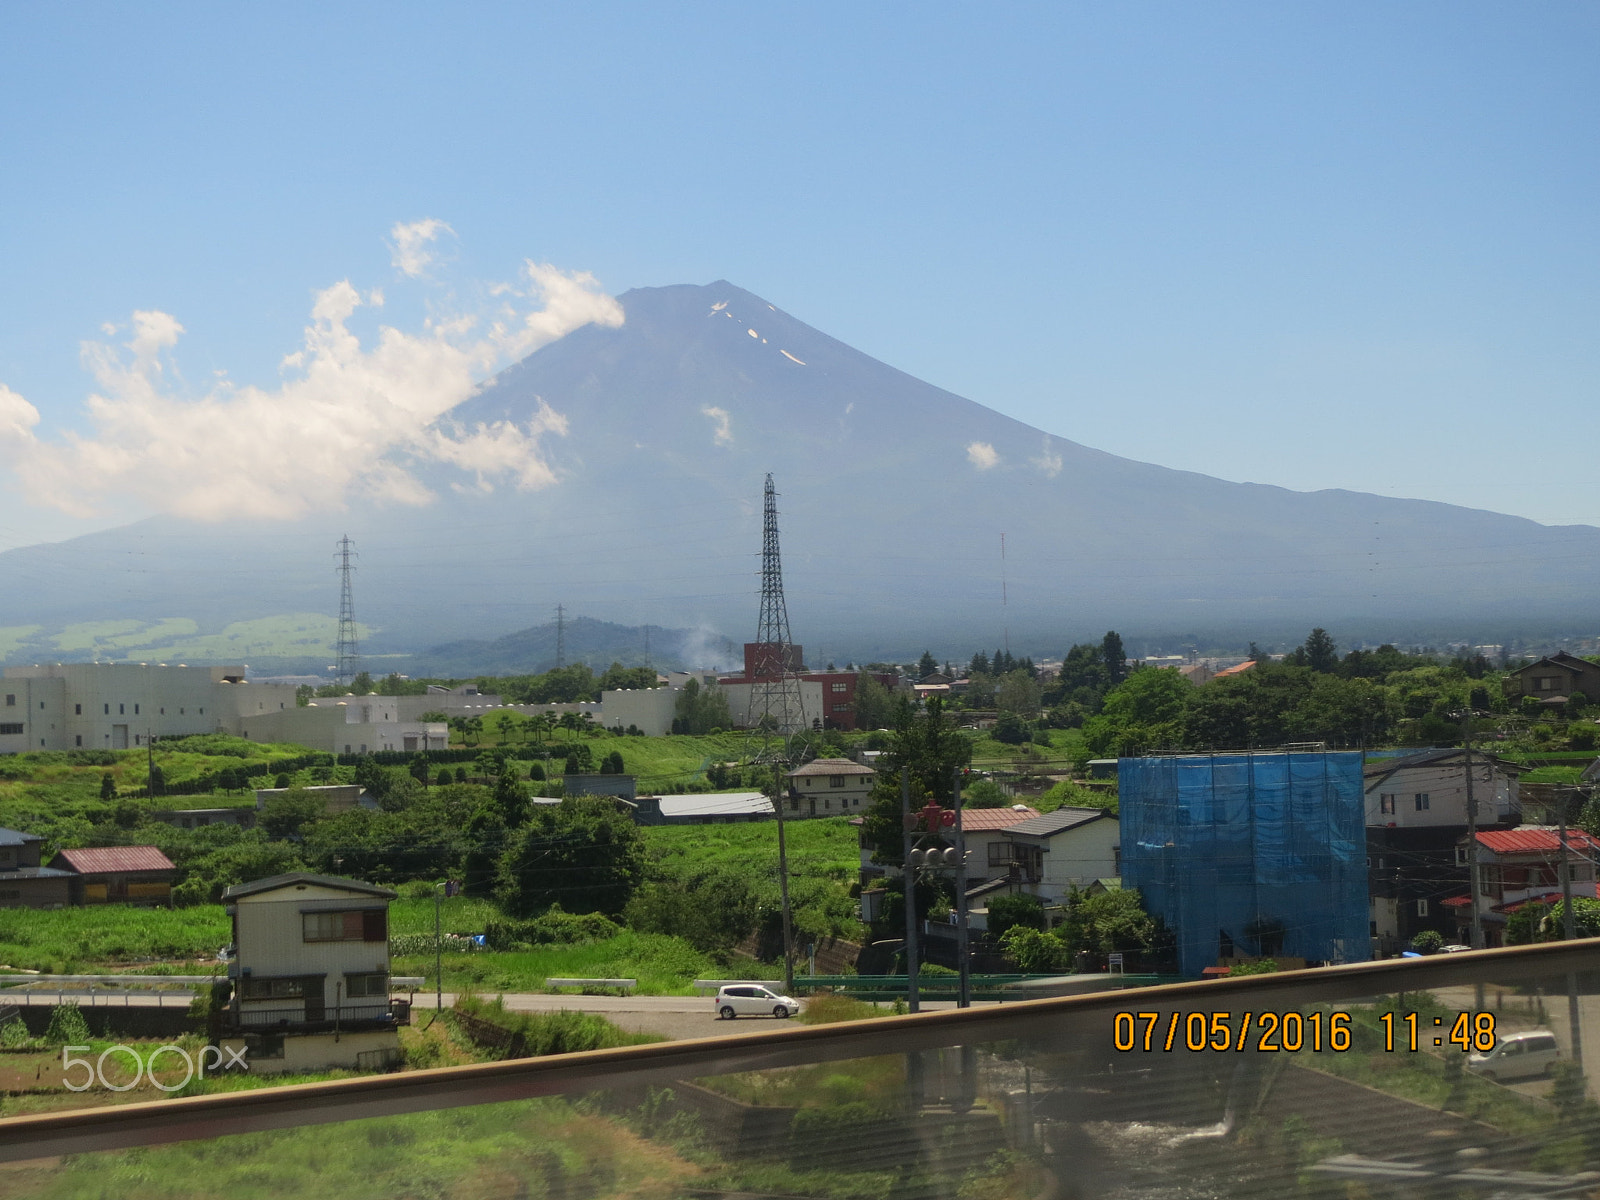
(350, 419)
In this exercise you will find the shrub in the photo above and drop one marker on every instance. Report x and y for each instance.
(67, 1026)
(552, 927)
(1429, 941)
(1265, 966)
(1005, 912)
(1033, 950)
(536, 773)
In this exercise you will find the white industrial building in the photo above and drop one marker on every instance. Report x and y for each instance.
(120, 706)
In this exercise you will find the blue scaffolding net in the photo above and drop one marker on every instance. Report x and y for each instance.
(1257, 853)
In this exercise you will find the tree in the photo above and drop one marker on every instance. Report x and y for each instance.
(699, 710)
(979, 664)
(285, 817)
(1018, 693)
(874, 703)
(510, 797)
(1114, 657)
(1010, 729)
(108, 787)
(927, 665)
(1321, 654)
(583, 853)
(927, 745)
(620, 678)
(361, 684)
(1144, 713)
(983, 793)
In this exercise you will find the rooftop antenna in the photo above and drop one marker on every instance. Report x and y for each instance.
(347, 662)
(561, 637)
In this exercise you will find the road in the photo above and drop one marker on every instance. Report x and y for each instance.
(672, 1017)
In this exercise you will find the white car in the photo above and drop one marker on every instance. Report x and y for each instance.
(751, 999)
(1518, 1056)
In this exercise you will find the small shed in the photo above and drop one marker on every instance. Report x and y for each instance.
(117, 875)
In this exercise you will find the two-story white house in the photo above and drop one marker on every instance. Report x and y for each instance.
(1066, 849)
(829, 787)
(311, 975)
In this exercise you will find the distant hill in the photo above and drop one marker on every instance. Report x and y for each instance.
(894, 497)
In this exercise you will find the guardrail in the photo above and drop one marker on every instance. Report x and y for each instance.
(1084, 1025)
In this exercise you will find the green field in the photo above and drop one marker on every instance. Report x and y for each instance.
(73, 940)
(664, 966)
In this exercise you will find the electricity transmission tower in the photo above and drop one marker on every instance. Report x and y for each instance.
(777, 707)
(561, 636)
(348, 660)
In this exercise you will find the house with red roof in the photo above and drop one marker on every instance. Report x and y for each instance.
(1522, 865)
(117, 875)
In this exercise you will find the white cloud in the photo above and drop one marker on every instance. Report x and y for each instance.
(347, 420)
(982, 455)
(17, 417)
(723, 434)
(411, 251)
(1048, 461)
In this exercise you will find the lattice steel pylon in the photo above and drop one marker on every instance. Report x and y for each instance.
(777, 706)
(347, 654)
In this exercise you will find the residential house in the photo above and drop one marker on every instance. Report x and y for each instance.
(139, 875)
(827, 787)
(989, 855)
(1554, 679)
(1416, 813)
(1050, 855)
(23, 882)
(1517, 866)
(311, 975)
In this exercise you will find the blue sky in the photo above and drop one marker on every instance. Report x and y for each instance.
(1318, 245)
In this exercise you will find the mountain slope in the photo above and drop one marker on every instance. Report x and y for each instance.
(894, 497)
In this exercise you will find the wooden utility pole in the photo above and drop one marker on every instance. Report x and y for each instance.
(908, 874)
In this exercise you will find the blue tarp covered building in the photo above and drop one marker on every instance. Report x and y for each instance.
(1264, 852)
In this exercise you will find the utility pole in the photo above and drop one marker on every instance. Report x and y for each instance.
(347, 654)
(150, 766)
(963, 961)
(1569, 931)
(1474, 868)
(1568, 925)
(913, 1003)
(561, 637)
(783, 881)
